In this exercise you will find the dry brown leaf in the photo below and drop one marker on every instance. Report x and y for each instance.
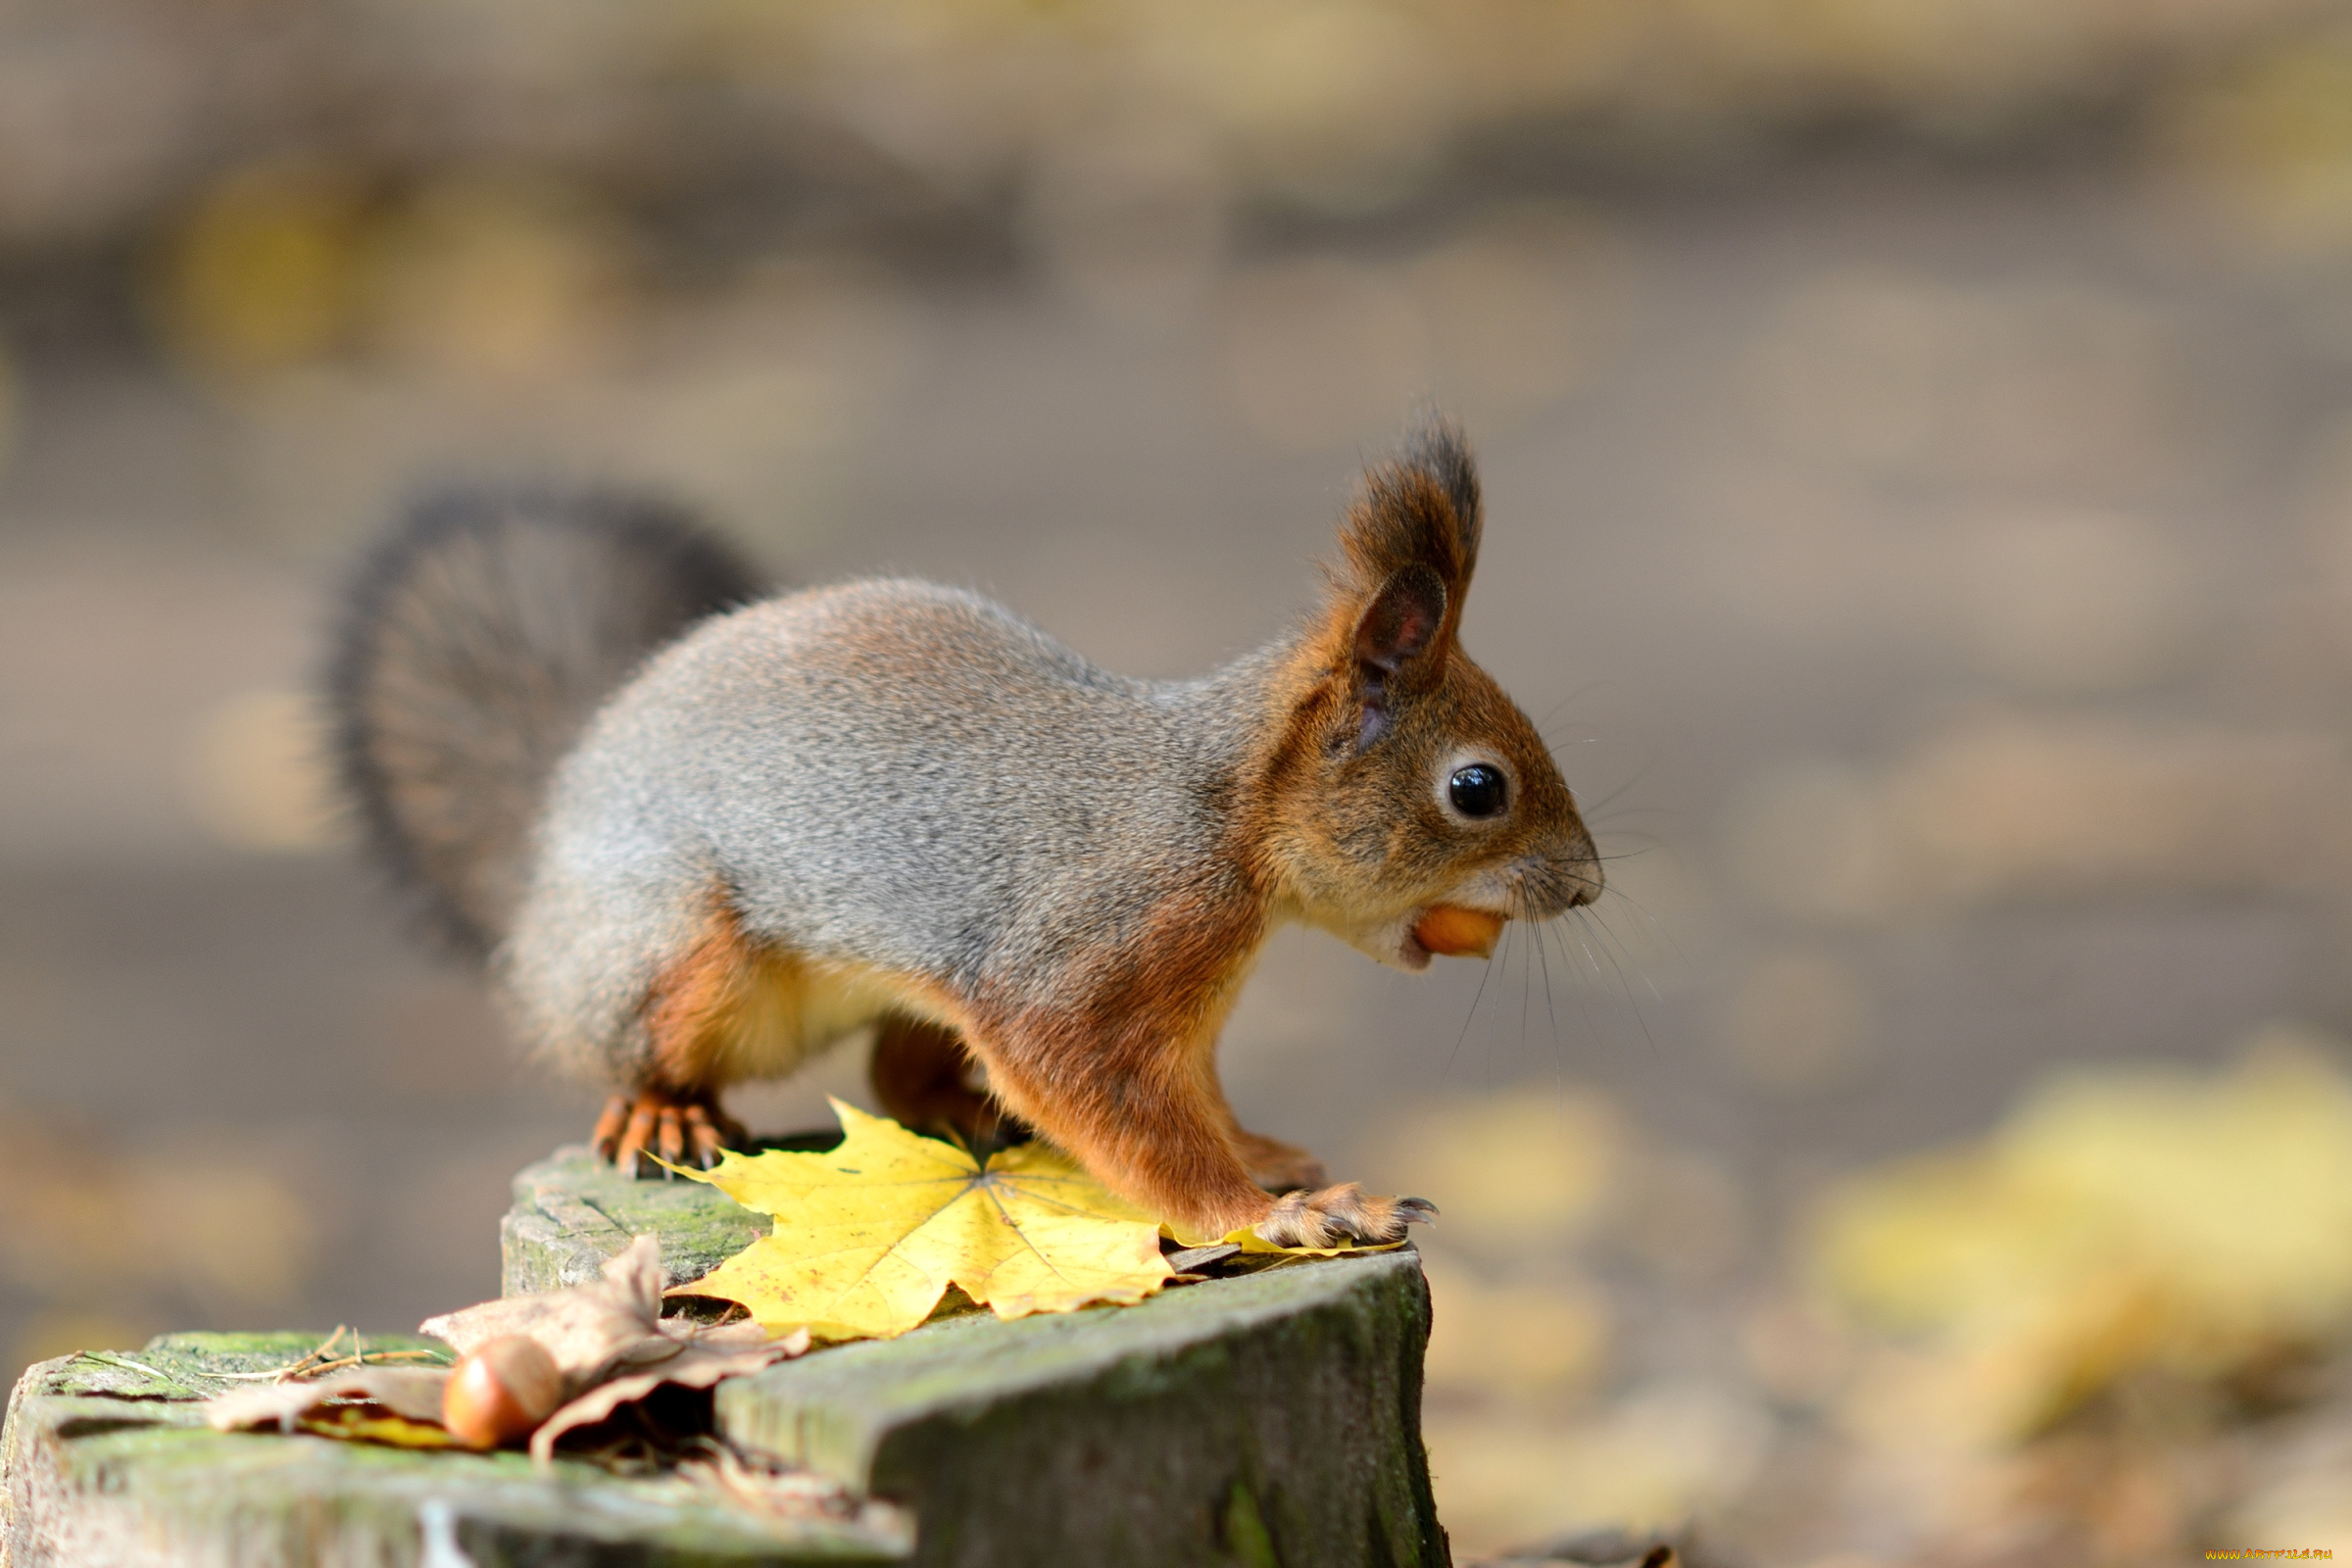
(412, 1393)
(609, 1341)
(592, 1330)
(717, 1353)
(607, 1338)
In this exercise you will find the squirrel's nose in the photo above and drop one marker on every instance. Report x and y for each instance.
(1581, 870)
(1555, 885)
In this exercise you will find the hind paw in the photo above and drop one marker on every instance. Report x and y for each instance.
(683, 1129)
(1276, 1167)
(1341, 1216)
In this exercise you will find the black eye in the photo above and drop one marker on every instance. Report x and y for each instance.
(1476, 790)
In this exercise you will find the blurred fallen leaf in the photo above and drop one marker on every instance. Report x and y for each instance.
(2269, 142)
(261, 274)
(2124, 1221)
(1518, 1171)
(870, 1236)
(497, 279)
(1517, 1339)
(1655, 1455)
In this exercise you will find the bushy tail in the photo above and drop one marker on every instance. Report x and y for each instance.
(475, 644)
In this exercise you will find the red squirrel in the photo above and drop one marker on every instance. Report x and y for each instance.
(700, 834)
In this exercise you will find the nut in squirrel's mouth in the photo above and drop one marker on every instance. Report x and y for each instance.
(1452, 931)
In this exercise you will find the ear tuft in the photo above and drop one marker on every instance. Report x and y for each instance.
(1408, 547)
(1420, 509)
(1436, 449)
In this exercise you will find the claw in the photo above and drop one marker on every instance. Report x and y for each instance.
(606, 1140)
(706, 1138)
(1338, 1215)
(640, 1134)
(635, 1130)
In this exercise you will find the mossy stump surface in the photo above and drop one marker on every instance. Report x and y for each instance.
(1265, 1421)
(109, 1464)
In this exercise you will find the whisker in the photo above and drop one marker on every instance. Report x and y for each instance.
(1631, 1000)
(1599, 823)
(1483, 974)
(1559, 932)
(1527, 978)
(1591, 962)
(1560, 1067)
(1586, 690)
(1665, 932)
(1583, 1000)
(1632, 958)
(1602, 804)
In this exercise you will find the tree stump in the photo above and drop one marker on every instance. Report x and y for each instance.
(1270, 1419)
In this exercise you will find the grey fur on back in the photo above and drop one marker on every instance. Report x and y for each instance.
(474, 646)
(887, 773)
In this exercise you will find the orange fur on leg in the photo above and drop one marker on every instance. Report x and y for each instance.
(691, 1016)
(1116, 1061)
(1118, 1067)
(1273, 1164)
(926, 1080)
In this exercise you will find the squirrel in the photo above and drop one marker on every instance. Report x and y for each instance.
(700, 833)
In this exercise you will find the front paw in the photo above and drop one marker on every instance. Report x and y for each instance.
(1342, 1216)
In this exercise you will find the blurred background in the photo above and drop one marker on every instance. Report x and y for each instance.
(1917, 438)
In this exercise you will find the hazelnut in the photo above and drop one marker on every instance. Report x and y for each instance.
(500, 1391)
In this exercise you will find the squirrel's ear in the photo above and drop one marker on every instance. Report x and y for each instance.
(1399, 628)
(1420, 509)
(1407, 548)
(1436, 449)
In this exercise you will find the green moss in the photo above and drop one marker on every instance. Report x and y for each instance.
(573, 1211)
(301, 1496)
(194, 1366)
(1245, 1530)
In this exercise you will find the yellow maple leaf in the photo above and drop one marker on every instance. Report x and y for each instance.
(869, 1235)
